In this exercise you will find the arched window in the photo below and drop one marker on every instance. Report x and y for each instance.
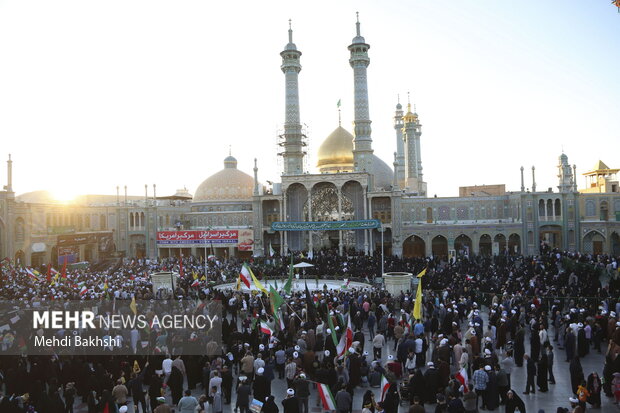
(429, 215)
(541, 208)
(131, 221)
(102, 222)
(20, 230)
(549, 208)
(604, 211)
(142, 220)
(87, 221)
(558, 208)
(590, 208)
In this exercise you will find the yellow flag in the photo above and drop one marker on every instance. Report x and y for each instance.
(204, 278)
(194, 275)
(417, 307)
(238, 286)
(133, 306)
(257, 283)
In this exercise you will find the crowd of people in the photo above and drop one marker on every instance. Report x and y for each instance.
(482, 319)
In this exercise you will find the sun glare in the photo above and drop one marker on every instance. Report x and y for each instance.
(64, 195)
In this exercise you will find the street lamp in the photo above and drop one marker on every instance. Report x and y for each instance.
(382, 230)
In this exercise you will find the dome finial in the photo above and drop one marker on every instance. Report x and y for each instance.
(290, 31)
(339, 118)
(408, 102)
(357, 25)
(229, 150)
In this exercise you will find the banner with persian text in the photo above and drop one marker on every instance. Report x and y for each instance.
(205, 238)
(326, 225)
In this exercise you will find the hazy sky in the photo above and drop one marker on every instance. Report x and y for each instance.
(106, 93)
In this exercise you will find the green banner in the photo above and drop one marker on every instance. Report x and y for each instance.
(326, 225)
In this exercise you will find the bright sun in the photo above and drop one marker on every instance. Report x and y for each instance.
(64, 195)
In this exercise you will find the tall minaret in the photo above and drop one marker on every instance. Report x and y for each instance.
(418, 152)
(9, 175)
(362, 143)
(293, 145)
(399, 157)
(565, 175)
(411, 157)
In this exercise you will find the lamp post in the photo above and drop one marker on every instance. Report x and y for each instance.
(382, 261)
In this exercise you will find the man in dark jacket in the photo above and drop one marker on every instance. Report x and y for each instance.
(136, 386)
(302, 391)
(431, 377)
(227, 382)
(343, 401)
(530, 385)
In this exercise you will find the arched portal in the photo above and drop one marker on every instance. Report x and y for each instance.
(414, 246)
(439, 246)
(615, 244)
(593, 243)
(20, 258)
(551, 235)
(462, 245)
(500, 239)
(485, 246)
(514, 244)
(387, 241)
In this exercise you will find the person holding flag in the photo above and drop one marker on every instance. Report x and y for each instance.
(417, 308)
(244, 276)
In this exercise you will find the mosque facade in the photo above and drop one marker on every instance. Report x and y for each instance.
(355, 200)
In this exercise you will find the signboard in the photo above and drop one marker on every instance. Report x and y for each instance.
(246, 240)
(86, 238)
(326, 225)
(70, 254)
(205, 238)
(163, 280)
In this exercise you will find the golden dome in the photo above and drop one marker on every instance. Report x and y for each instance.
(229, 184)
(336, 152)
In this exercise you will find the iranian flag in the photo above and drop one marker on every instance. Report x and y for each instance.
(265, 328)
(33, 274)
(461, 376)
(244, 275)
(83, 290)
(196, 283)
(385, 385)
(329, 403)
(346, 340)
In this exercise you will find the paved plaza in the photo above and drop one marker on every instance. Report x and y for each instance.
(557, 396)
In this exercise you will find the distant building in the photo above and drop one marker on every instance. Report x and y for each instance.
(482, 190)
(233, 214)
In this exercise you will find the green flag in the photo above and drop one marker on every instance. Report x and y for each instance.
(275, 300)
(289, 282)
(331, 327)
(338, 104)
